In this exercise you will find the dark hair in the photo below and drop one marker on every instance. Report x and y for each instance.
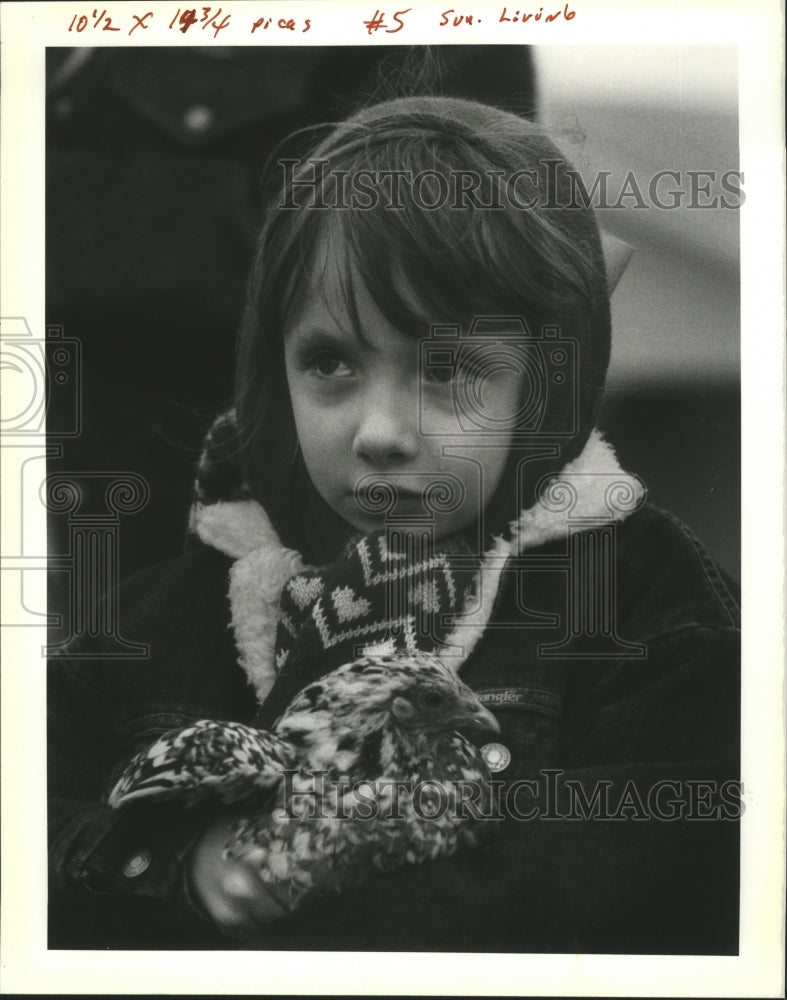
(486, 255)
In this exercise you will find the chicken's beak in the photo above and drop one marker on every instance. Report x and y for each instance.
(480, 720)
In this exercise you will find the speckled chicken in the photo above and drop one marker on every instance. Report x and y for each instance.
(366, 771)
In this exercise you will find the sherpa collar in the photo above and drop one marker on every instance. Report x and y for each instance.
(592, 488)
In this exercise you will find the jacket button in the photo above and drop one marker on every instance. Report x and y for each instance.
(137, 864)
(198, 118)
(496, 756)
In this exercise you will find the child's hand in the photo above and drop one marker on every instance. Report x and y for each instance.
(230, 891)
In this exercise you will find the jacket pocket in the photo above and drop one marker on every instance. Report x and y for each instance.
(529, 720)
(196, 99)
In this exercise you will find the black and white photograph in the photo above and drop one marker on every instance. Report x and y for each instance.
(396, 432)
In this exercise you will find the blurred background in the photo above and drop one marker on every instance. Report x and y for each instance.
(673, 391)
(153, 165)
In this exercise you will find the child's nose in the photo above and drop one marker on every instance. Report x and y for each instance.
(387, 431)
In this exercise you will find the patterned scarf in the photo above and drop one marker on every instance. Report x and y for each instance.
(384, 593)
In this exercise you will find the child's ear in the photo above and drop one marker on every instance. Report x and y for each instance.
(617, 254)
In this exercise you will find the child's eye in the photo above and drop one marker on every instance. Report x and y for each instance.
(449, 374)
(329, 365)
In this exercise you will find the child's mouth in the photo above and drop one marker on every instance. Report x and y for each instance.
(385, 498)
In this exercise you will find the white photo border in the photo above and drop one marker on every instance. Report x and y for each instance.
(756, 28)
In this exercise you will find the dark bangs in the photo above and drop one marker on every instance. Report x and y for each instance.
(469, 253)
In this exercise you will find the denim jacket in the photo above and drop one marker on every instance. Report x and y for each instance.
(617, 828)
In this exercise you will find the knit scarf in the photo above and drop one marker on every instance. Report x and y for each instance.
(378, 596)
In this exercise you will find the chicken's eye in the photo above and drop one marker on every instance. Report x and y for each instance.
(432, 699)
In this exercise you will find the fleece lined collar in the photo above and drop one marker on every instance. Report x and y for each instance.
(593, 488)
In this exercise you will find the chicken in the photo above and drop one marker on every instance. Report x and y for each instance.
(368, 770)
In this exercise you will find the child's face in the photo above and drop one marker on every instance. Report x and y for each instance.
(366, 409)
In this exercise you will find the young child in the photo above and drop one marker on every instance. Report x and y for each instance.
(413, 465)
